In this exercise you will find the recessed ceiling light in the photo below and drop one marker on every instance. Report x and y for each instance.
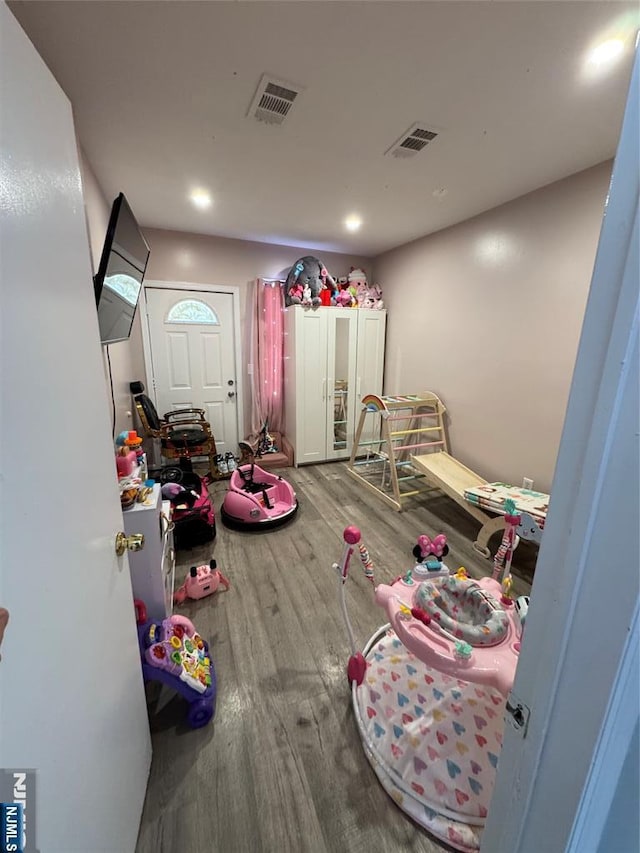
(201, 199)
(352, 223)
(604, 55)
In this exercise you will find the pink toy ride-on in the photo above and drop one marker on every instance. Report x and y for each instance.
(257, 499)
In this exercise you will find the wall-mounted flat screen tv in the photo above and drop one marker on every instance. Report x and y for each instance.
(122, 266)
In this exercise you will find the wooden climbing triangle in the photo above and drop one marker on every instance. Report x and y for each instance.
(390, 431)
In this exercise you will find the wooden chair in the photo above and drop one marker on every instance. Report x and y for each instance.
(183, 433)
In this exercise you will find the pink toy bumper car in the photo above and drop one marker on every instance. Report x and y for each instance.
(257, 500)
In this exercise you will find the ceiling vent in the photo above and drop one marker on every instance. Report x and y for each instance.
(412, 141)
(273, 100)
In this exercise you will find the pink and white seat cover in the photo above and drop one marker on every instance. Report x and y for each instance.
(433, 741)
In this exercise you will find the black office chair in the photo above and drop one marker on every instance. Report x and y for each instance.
(183, 433)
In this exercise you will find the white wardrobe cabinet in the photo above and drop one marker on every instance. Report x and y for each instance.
(332, 357)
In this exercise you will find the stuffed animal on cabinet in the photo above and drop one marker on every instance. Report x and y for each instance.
(306, 279)
(357, 279)
(373, 298)
(344, 297)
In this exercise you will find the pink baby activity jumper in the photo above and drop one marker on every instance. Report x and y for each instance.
(429, 688)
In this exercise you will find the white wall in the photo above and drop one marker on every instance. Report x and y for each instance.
(487, 314)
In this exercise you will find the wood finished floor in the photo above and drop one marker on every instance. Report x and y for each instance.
(281, 768)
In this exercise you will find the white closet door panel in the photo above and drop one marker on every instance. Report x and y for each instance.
(311, 382)
(371, 330)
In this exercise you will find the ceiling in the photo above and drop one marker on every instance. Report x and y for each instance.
(161, 90)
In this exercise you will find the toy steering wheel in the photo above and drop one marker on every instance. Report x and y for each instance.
(246, 475)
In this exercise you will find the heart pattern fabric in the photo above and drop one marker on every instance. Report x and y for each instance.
(434, 747)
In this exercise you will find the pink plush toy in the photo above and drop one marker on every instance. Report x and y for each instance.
(344, 297)
(296, 293)
(373, 298)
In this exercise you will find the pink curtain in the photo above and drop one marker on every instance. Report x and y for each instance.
(267, 356)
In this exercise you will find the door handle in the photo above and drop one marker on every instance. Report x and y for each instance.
(134, 542)
(231, 393)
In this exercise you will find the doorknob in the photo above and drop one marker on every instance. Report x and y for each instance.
(231, 394)
(135, 542)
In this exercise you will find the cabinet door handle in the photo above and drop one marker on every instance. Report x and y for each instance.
(166, 524)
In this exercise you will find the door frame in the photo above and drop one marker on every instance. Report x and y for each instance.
(237, 347)
(557, 779)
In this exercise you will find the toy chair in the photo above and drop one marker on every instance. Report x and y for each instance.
(183, 433)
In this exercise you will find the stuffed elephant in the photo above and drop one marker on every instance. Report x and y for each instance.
(307, 277)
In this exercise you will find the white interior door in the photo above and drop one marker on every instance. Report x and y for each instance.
(578, 670)
(192, 338)
(73, 706)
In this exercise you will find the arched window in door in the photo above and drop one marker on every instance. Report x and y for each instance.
(192, 311)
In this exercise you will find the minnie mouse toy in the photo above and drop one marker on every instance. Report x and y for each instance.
(429, 552)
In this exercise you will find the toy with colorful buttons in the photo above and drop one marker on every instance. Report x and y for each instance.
(174, 654)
